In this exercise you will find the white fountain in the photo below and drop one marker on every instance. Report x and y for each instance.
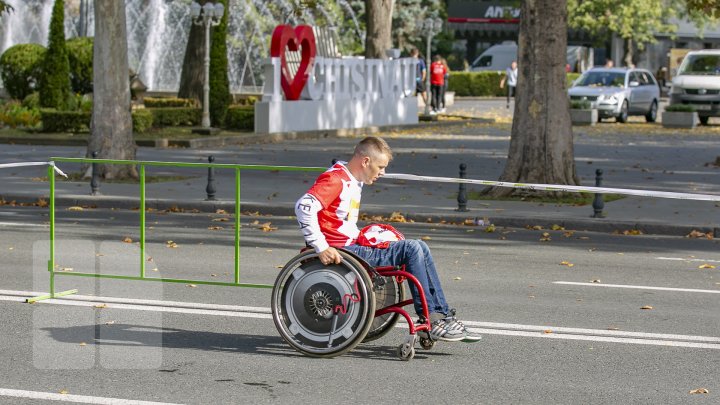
(158, 31)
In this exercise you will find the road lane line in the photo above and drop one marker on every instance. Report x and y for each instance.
(638, 287)
(490, 328)
(84, 399)
(683, 259)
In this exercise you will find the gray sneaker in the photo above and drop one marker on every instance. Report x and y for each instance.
(441, 330)
(455, 324)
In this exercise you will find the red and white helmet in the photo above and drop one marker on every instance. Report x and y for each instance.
(379, 236)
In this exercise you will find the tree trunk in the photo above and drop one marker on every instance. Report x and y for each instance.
(191, 78)
(629, 53)
(379, 28)
(111, 127)
(541, 142)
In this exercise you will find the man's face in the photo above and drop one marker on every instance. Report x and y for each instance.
(374, 168)
(513, 65)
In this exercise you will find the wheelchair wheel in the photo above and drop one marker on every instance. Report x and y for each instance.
(387, 294)
(323, 311)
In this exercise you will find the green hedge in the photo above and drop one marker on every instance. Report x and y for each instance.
(20, 69)
(168, 102)
(80, 56)
(79, 121)
(172, 117)
(240, 118)
(55, 79)
(484, 84)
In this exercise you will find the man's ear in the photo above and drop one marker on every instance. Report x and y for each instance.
(366, 161)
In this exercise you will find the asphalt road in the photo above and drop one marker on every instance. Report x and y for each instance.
(546, 340)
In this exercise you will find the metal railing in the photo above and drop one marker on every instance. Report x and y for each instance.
(141, 171)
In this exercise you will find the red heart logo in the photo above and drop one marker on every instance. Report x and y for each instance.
(294, 39)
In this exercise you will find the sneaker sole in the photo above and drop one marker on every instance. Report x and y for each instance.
(469, 339)
(450, 339)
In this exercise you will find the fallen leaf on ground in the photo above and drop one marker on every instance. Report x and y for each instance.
(556, 227)
(699, 391)
(83, 344)
(545, 237)
(171, 244)
(566, 263)
(613, 328)
(127, 240)
(110, 323)
(100, 305)
(155, 269)
(698, 234)
(66, 269)
(192, 285)
(568, 234)
(220, 211)
(64, 392)
(632, 232)
(397, 217)
(457, 278)
(646, 307)
(535, 227)
(595, 281)
(426, 238)
(706, 266)
(490, 228)
(267, 227)
(215, 228)
(75, 208)
(220, 219)
(547, 331)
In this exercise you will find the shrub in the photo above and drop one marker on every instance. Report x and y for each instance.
(240, 118)
(32, 101)
(79, 121)
(484, 84)
(55, 78)
(20, 69)
(80, 57)
(65, 121)
(169, 102)
(580, 105)
(14, 114)
(175, 116)
(680, 108)
(142, 120)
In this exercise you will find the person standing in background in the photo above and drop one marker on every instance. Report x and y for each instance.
(445, 86)
(420, 75)
(511, 79)
(437, 82)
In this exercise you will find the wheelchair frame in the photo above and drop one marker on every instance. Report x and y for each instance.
(323, 311)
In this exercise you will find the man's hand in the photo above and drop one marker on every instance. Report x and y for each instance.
(329, 256)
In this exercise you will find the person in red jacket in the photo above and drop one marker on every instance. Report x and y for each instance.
(437, 82)
(328, 215)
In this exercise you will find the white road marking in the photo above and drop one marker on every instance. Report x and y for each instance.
(84, 399)
(489, 328)
(683, 259)
(23, 224)
(638, 287)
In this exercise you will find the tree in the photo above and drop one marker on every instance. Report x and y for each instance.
(541, 144)
(193, 70)
(378, 14)
(637, 21)
(219, 82)
(55, 79)
(111, 125)
(5, 8)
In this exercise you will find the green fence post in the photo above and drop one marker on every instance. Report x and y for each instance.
(51, 262)
(237, 225)
(142, 220)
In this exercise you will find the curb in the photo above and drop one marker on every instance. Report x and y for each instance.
(250, 138)
(602, 225)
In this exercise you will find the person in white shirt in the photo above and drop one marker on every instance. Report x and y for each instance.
(511, 75)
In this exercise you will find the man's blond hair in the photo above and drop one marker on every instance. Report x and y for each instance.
(373, 146)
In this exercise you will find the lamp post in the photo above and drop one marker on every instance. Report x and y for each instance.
(208, 15)
(430, 27)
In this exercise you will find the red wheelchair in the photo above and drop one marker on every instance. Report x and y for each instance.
(326, 310)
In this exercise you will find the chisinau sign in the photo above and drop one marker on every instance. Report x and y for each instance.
(331, 93)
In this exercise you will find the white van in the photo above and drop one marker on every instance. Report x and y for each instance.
(697, 83)
(497, 57)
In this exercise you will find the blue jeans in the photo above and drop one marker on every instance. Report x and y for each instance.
(415, 255)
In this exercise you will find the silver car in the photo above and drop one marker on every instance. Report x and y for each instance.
(618, 92)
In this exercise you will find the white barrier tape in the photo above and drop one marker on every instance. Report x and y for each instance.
(51, 163)
(556, 187)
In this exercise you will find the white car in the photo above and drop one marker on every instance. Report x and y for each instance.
(618, 92)
(697, 83)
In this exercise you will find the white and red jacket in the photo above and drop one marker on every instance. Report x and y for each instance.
(328, 212)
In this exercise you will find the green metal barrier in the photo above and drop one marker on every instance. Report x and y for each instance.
(141, 170)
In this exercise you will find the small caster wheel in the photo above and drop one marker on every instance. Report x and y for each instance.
(405, 352)
(426, 343)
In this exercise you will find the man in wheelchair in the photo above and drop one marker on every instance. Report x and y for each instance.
(328, 215)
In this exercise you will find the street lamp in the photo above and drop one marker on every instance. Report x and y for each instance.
(208, 15)
(430, 27)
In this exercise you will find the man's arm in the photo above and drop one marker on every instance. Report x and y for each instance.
(306, 211)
